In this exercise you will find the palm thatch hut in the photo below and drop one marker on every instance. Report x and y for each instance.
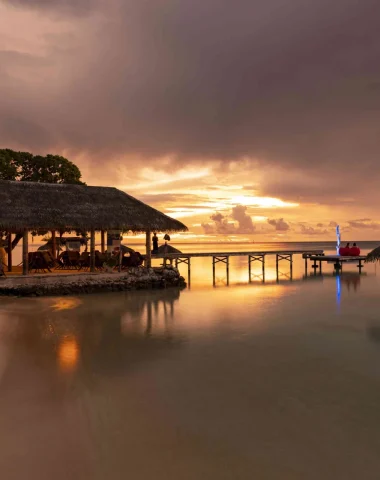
(166, 248)
(30, 206)
(374, 255)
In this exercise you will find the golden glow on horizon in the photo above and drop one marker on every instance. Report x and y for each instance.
(193, 195)
(177, 212)
(267, 202)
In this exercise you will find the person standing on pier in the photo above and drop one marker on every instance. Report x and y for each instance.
(155, 243)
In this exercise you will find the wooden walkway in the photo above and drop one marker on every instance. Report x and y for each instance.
(224, 257)
(337, 260)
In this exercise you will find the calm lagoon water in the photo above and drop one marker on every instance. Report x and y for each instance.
(274, 381)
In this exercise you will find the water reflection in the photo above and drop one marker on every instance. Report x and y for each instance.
(68, 354)
(373, 332)
(188, 378)
(101, 332)
(351, 279)
(67, 303)
(338, 289)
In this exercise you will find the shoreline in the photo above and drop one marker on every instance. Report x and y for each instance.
(139, 278)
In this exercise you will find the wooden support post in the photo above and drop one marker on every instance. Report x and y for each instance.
(120, 259)
(360, 266)
(9, 252)
(53, 245)
(277, 263)
(291, 266)
(263, 267)
(249, 268)
(92, 251)
(228, 269)
(188, 273)
(148, 258)
(25, 259)
(103, 241)
(213, 270)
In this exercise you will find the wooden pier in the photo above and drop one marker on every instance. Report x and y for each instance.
(337, 260)
(224, 257)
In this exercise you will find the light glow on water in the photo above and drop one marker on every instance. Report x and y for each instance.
(68, 354)
(66, 304)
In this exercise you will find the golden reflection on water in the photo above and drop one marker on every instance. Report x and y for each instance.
(68, 354)
(66, 304)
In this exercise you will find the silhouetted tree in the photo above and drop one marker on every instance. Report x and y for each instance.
(26, 167)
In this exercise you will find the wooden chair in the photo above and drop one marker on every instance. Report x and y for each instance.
(49, 259)
(84, 261)
(135, 259)
(37, 262)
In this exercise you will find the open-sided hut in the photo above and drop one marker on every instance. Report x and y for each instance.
(29, 206)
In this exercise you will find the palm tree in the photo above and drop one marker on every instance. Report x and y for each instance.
(374, 255)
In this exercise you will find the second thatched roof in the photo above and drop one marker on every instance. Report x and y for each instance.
(38, 206)
(374, 255)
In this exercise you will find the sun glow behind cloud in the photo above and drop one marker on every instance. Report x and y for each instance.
(195, 195)
(153, 180)
(265, 202)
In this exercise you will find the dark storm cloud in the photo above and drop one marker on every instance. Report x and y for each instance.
(288, 82)
(364, 223)
(222, 225)
(279, 224)
(323, 186)
(306, 229)
(245, 224)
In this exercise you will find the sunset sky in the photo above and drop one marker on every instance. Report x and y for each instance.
(245, 119)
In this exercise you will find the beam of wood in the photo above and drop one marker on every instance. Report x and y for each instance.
(25, 260)
(308, 253)
(92, 251)
(148, 258)
(103, 241)
(9, 252)
(54, 245)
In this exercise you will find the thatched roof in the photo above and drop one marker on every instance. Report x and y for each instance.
(374, 255)
(77, 207)
(167, 249)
